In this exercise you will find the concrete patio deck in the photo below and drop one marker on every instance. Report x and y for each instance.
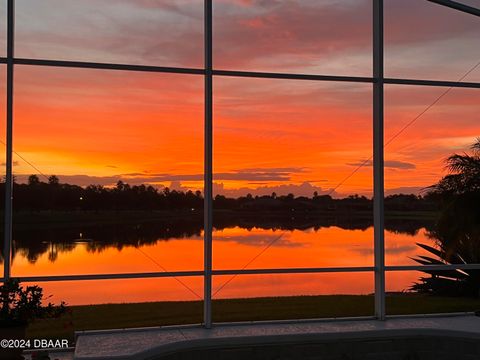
(157, 343)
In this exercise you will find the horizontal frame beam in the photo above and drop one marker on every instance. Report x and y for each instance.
(243, 74)
(106, 276)
(457, 6)
(292, 76)
(243, 272)
(107, 66)
(185, 274)
(433, 267)
(293, 271)
(453, 84)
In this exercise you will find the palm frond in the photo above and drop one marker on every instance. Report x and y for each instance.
(463, 163)
(476, 147)
(431, 249)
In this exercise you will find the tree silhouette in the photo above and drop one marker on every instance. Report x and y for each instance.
(465, 173)
(33, 180)
(53, 180)
(457, 231)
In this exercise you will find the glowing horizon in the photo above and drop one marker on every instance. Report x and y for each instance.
(283, 136)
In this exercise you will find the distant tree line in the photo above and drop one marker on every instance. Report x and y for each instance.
(36, 195)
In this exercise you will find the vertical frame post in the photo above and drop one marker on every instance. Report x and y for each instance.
(208, 164)
(378, 160)
(7, 248)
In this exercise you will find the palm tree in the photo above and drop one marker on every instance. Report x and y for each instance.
(457, 232)
(465, 173)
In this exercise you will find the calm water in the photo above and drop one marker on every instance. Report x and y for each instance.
(147, 248)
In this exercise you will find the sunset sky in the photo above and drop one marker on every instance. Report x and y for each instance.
(98, 126)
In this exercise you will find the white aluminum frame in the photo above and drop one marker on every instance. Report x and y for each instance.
(209, 72)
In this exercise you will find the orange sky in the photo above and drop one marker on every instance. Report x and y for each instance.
(94, 126)
(91, 126)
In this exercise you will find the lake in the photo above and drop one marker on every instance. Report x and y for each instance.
(127, 247)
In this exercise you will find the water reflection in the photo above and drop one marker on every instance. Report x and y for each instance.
(42, 241)
(34, 239)
(151, 243)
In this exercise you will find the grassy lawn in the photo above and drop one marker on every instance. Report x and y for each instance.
(110, 316)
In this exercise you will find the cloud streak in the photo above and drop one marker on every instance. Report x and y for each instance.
(260, 240)
(303, 189)
(303, 36)
(393, 164)
(250, 174)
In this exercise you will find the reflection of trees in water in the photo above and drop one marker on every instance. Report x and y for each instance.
(408, 226)
(32, 253)
(55, 238)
